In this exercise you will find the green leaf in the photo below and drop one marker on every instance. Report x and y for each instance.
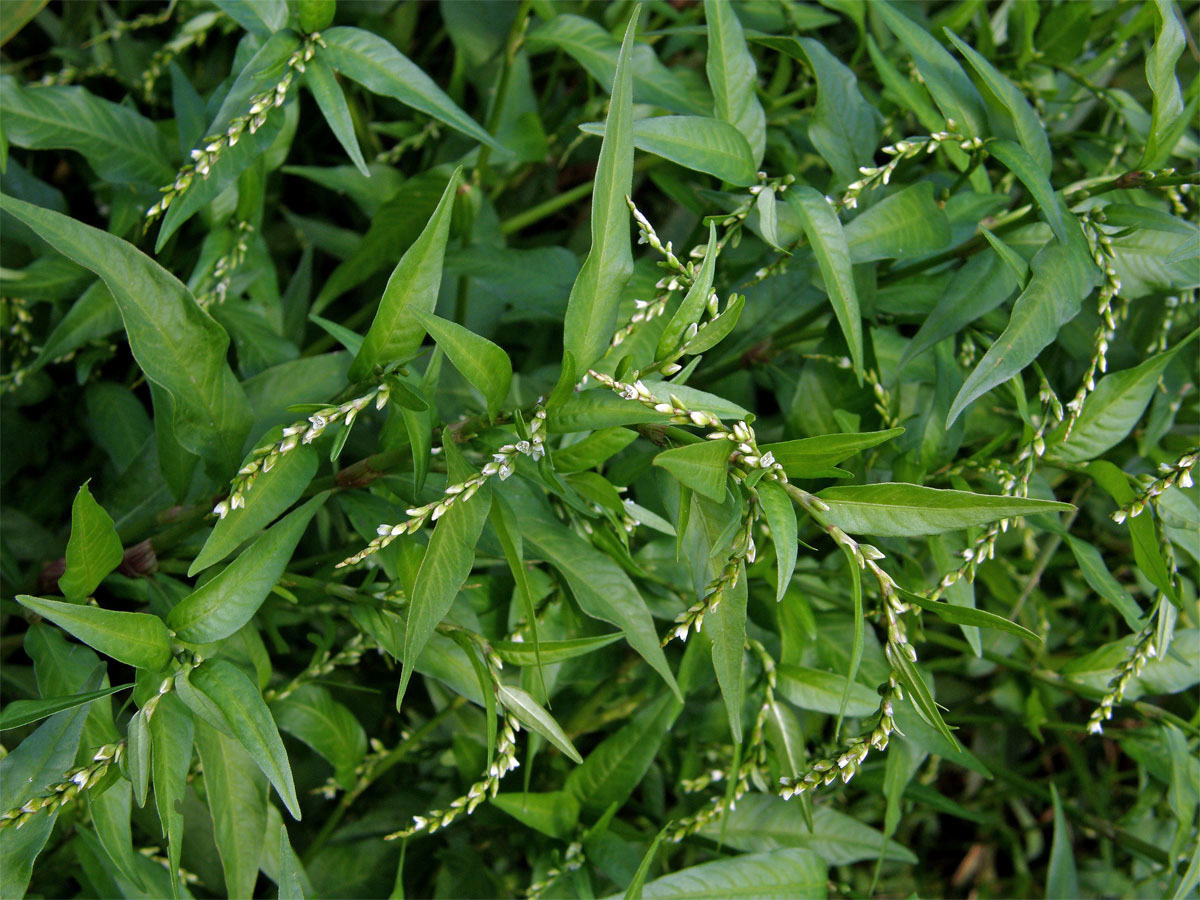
(732, 76)
(249, 721)
(23, 712)
(382, 69)
(110, 811)
(259, 17)
(602, 590)
(293, 881)
(601, 408)
(323, 85)
(781, 519)
(614, 769)
(766, 217)
(634, 891)
(1061, 878)
(171, 739)
(17, 15)
(1018, 161)
(592, 306)
(136, 639)
(175, 342)
(726, 628)
(94, 315)
(844, 126)
(444, 568)
(763, 822)
(237, 800)
(1126, 215)
(37, 762)
(1028, 127)
(1101, 580)
(891, 509)
(395, 334)
(555, 813)
(947, 82)
(967, 615)
(780, 873)
(227, 602)
(93, 549)
(594, 450)
(830, 247)
(804, 457)
(716, 330)
(311, 714)
(273, 492)
(138, 757)
(1063, 274)
(704, 467)
(598, 52)
(519, 653)
(1112, 410)
(481, 362)
(694, 302)
(1168, 110)
(819, 691)
(532, 716)
(918, 694)
(122, 146)
(505, 524)
(906, 224)
(694, 142)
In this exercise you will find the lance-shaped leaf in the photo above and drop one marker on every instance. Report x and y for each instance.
(481, 362)
(694, 142)
(444, 568)
(1167, 119)
(592, 306)
(908, 510)
(1062, 878)
(829, 246)
(24, 712)
(1063, 274)
(694, 301)
(704, 467)
(781, 518)
(803, 457)
(790, 872)
(1028, 127)
(249, 721)
(732, 76)
(530, 714)
(1018, 161)
(952, 90)
(176, 343)
(726, 628)
(136, 639)
(382, 69)
(171, 738)
(522, 653)
(311, 714)
(221, 606)
(323, 85)
(967, 615)
(395, 333)
(93, 550)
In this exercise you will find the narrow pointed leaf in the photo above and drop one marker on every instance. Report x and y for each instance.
(530, 714)
(732, 76)
(694, 302)
(136, 639)
(726, 628)
(781, 518)
(93, 549)
(1018, 161)
(323, 85)
(24, 712)
(481, 362)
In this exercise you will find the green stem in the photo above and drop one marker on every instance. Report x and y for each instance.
(546, 208)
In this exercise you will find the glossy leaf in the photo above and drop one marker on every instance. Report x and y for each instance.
(829, 245)
(249, 721)
(726, 628)
(322, 84)
(93, 550)
(227, 602)
(481, 362)
(592, 307)
(779, 873)
(781, 518)
(1168, 111)
(176, 343)
(136, 639)
(703, 467)
(530, 714)
(909, 510)
(384, 70)
(395, 334)
(732, 76)
(171, 740)
(24, 712)
(966, 615)
(818, 691)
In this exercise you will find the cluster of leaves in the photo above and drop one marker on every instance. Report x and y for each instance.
(354, 461)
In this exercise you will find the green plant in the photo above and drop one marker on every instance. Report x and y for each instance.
(336, 490)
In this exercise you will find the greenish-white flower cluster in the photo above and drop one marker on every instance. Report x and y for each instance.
(504, 762)
(203, 159)
(1143, 650)
(193, 34)
(225, 265)
(1169, 475)
(74, 782)
(503, 464)
(878, 176)
(349, 655)
(572, 859)
(263, 459)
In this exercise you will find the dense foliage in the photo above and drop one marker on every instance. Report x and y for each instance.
(442, 442)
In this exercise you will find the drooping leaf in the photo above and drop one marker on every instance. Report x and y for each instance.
(909, 510)
(227, 602)
(781, 518)
(480, 361)
(732, 76)
(136, 639)
(530, 714)
(726, 628)
(93, 550)
(174, 341)
(592, 306)
(171, 739)
(249, 721)
(382, 69)
(395, 334)
(966, 615)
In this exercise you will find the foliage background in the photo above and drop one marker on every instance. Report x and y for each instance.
(1006, 271)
